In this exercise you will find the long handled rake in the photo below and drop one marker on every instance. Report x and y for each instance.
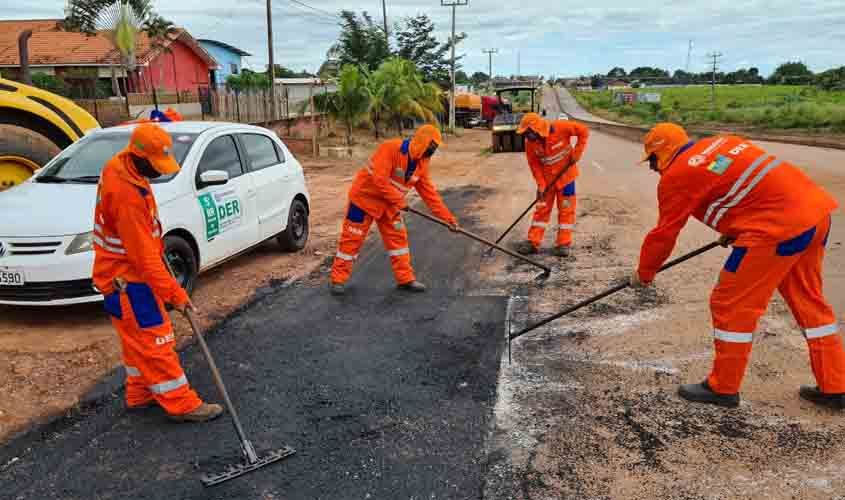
(609, 291)
(547, 271)
(489, 251)
(252, 460)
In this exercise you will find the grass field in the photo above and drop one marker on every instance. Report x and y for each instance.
(780, 107)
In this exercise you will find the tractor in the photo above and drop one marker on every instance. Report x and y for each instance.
(523, 100)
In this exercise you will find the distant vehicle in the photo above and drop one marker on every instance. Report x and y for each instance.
(504, 137)
(562, 116)
(239, 186)
(492, 106)
(467, 110)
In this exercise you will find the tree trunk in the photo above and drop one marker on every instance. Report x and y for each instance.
(115, 88)
(399, 125)
(348, 133)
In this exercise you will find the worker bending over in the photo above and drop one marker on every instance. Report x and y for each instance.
(378, 194)
(778, 222)
(129, 270)
(548, 148)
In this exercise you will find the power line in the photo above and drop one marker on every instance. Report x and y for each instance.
(331, 14)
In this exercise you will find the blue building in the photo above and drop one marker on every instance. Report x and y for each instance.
(229, 58)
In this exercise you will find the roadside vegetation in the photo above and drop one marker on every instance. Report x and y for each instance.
(792, 98)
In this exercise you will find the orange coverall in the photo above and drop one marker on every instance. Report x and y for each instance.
(546, 162)
(378, 194)
(781, 220)
(128, 245)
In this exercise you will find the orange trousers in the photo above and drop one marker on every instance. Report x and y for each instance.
(566, 205)
(746, 285)
(153, 371)
(394, 235)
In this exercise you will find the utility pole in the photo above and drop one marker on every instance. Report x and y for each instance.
(689, 54)
(454, 4)
(715, 56)
(518, 66)
(272, 68)
(384, 11)
(490, 53)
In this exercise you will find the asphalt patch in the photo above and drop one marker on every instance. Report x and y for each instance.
(383, 394)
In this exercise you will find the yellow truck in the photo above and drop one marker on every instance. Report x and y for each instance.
(34, 126)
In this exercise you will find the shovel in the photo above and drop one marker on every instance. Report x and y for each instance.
(547, 271)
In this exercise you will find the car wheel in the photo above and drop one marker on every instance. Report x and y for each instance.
(182, 260)
(295, 236)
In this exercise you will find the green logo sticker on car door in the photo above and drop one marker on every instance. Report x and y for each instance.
(222, 211)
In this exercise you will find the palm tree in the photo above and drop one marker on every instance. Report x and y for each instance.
(159, 30)
(405, 93)
(122, 19)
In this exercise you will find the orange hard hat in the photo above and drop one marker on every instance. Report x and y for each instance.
(173, 115)
(664, 141)
(534, 122)
(151, 142)
(424, 136)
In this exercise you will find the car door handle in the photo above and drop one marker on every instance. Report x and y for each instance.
(250, 193)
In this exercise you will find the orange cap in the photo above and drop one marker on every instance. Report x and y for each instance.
(151, 142)
(534, 122)
(424, 136)
(664, 141)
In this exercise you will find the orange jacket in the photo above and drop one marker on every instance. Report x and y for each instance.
(128, 235)
(395, 168)
(547, 160)
(739, 190)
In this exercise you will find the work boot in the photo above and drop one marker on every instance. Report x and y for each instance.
(143, 406)
(526, 248)
(205, 412)
(413, 286)
(812, 394)
(338, 289)
(701, 393)
(561, 251)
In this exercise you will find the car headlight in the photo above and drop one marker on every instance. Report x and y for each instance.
(81, 243)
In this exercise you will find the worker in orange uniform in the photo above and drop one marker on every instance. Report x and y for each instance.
(130, 272)
(778, 222)
(378, 194)
(548, 147)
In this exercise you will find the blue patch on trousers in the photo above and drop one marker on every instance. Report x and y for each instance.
(569, 189)
(111, 303)
(796, 245)
(144, 305)
(355, 214)
(735, 259)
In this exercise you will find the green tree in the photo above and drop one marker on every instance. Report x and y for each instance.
(283, 72)
(248, 82)
(479, 78)
(350, 103)
(461, 77)
(416, 42)
(792, 73)
(617, 72)
(404, 93)
(121, 19)
(361, 42)
(832, 79)
(51, 83)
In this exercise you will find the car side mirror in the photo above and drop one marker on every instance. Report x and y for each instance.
(213, 178)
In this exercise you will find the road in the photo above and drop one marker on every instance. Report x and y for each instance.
(587, 408)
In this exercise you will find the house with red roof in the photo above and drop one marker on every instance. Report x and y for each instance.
(178, 64)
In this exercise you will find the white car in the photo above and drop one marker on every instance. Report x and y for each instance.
(562, 116)
(239, 186)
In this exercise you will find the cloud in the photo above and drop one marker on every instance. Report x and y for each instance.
(551, 37)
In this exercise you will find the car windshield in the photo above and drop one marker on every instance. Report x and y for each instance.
(84, 161)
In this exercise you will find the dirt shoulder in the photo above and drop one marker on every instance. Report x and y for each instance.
(49, 358)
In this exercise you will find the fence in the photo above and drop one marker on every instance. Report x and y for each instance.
(205, 103)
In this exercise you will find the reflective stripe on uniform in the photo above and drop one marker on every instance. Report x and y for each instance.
(98, 227)
(739, 182)
(821, 331)
(397, 253)
(742, 194)
(540, 224)
(132, 371)
(114, 241)
(346, 256)
(548, 160)
(736, 337)
(99, 242)
(566, 226)
(169, 385)
(157, 233)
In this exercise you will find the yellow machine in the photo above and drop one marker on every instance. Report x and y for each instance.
(34, 126)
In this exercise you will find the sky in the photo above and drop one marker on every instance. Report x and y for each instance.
(540, 37)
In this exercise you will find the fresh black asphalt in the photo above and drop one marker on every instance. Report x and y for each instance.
(384, 395)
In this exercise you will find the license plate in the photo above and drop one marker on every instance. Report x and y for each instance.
(11, 277)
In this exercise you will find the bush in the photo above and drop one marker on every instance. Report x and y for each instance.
(50, 83)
